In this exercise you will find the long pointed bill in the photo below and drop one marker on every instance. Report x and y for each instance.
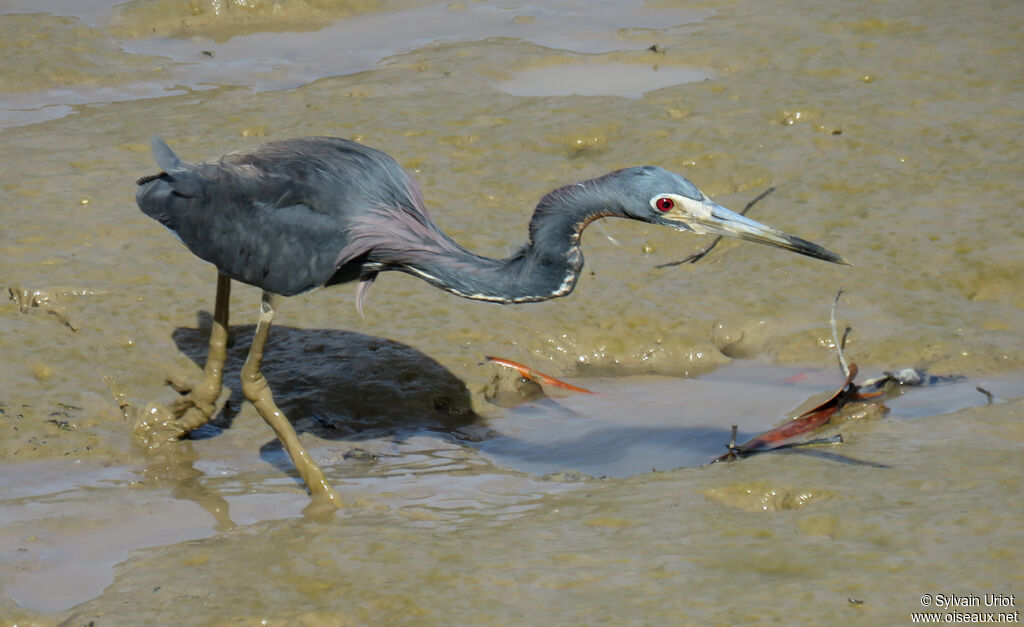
(710, 218)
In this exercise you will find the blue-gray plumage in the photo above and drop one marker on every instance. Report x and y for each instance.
(297, 214)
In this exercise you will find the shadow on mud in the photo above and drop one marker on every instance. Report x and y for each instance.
(338, 384)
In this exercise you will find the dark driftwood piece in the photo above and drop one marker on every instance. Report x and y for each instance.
(792, 432)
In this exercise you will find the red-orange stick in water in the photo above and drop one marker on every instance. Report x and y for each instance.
(537, 377)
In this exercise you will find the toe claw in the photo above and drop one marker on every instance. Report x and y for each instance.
(181, 386)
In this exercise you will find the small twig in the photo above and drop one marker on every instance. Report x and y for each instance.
(734, 450)
(756, 200)
(835, 439)
(840, 344)
(697, 256)
(991, 398)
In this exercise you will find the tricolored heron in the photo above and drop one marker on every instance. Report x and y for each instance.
(297, 214)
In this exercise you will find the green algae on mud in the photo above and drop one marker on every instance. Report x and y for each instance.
(920, 188)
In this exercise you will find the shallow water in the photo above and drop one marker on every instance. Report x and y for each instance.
(891, 132)
(70, 524)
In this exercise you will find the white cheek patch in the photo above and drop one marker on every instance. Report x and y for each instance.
(697, 209)
(688, 211)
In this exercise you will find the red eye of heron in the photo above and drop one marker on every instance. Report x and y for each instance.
(664, 204)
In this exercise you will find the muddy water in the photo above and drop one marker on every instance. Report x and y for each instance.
(891, 132)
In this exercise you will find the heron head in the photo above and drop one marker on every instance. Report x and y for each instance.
(661, 197)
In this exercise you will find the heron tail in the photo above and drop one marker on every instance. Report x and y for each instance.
(165, 157)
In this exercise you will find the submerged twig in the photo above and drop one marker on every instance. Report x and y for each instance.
(840, 344)
(790, 432)
(835, 439)
(697, 256)
(731, 446)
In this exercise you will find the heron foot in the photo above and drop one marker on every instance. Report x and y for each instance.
(154, 425)
(157, 424)
(197, 404)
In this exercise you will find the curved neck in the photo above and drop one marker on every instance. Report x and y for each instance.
(547, 266)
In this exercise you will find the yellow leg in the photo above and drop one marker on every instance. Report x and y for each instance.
(256, 390)
(196, 408)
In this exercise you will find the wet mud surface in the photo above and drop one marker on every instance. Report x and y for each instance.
(890, 132)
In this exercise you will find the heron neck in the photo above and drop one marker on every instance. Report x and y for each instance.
(547, 266)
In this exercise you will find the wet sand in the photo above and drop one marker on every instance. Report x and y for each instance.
(892, 135)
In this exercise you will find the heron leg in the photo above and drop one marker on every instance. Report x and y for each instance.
(257, 391)
(196, 408)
